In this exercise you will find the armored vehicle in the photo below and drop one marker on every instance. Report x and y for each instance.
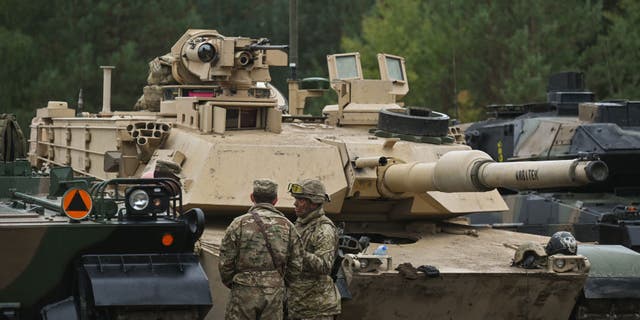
(393, 175)
(571, 124)
(121, 248)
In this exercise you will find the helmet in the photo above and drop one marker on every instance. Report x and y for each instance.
(562, 242)
(530, 255)
(309, 189)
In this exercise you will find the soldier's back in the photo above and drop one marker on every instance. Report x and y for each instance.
(259, 277)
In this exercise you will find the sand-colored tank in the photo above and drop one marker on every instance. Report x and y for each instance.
(393, 173)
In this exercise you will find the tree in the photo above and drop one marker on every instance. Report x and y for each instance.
(490, 51)
(612, 64)
(66, 41)
(17, 50)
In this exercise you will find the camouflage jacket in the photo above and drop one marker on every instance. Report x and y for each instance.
(314, 293)
(244, 257)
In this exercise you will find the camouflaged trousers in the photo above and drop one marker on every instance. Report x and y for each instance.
(251, 303)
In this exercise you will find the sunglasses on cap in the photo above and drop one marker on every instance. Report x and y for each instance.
(295, 188)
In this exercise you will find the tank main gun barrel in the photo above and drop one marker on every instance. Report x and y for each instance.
(473, 171)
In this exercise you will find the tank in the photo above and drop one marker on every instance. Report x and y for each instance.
(73, 247)
(394, 174)
(572, 124)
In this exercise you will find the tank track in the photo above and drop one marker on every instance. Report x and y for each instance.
(592, 309)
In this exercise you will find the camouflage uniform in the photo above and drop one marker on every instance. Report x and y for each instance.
(159, 74)
(246, 266)
(313, 295)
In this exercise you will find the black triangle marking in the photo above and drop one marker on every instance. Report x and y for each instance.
(77, 204)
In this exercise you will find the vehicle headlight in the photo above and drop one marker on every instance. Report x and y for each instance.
(147, 200)
(138, 200)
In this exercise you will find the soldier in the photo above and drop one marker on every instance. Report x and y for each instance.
(260, 253)
(313, 295)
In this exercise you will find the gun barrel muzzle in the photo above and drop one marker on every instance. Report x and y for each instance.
(473, 171)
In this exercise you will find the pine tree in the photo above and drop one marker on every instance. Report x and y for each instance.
(467, 54)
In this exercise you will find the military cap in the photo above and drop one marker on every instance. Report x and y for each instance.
(310, 189)
(265, 187)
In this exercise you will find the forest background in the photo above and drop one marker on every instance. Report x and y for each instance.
(461, 55)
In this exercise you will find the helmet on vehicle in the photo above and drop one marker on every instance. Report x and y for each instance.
(310, 189)
(562, 242)
(530, 255)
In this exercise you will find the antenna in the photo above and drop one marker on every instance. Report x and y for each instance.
(80, 104)
(293, 38)
(106, 88)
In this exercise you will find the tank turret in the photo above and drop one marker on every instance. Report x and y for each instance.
(570, 124)
(393, 173)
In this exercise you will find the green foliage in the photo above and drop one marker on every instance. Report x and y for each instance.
(461, 54)
(18, 49)
(494, 52)
(56, 50)
(612, 64)
(52, 50)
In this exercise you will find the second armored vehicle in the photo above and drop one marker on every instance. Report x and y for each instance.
(570, 124)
